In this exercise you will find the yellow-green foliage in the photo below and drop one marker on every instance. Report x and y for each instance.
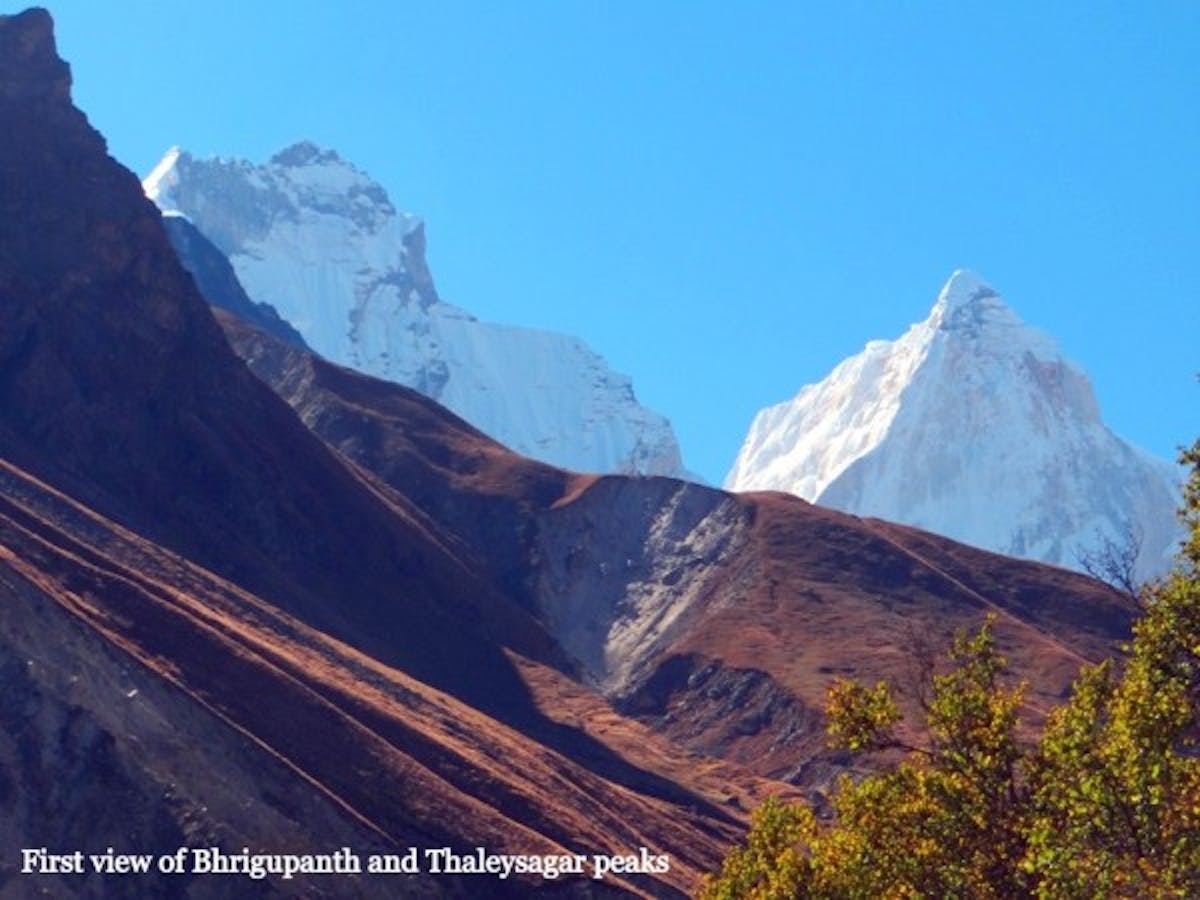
(1107, 804)
(769, 866)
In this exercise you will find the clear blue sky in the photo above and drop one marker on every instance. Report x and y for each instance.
(725, 199)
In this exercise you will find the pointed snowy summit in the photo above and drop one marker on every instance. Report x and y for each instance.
(963, 288)
(971, 424)
(968, 303)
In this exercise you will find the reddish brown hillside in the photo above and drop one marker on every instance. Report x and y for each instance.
(117, 386)
(304, 737)
(720, 619)
(213, 627)
(817, 594)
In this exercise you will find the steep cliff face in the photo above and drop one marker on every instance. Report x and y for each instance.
(320, 241)
(972, 425)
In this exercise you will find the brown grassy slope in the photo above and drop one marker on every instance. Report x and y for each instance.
(818, 594)
(396, 759)
(117, 386)
(474, 488)
(809, 595)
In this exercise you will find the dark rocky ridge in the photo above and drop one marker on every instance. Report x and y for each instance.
(118, 386)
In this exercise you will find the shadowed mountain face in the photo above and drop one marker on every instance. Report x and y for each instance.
(278, 604)
(117, 385)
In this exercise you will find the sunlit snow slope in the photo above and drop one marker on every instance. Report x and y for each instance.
(974, 425)
(318, 240)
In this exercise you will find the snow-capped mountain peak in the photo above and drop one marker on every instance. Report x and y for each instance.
(968, 308)
(972, 424)
(962, 288)
(320, 241)
(967, 301)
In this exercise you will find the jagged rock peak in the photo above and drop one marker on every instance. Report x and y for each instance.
(306, 153)
(30, 67)
(299, 187)
(304, 171)
(963, 287)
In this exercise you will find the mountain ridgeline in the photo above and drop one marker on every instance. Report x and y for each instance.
(252, 598)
